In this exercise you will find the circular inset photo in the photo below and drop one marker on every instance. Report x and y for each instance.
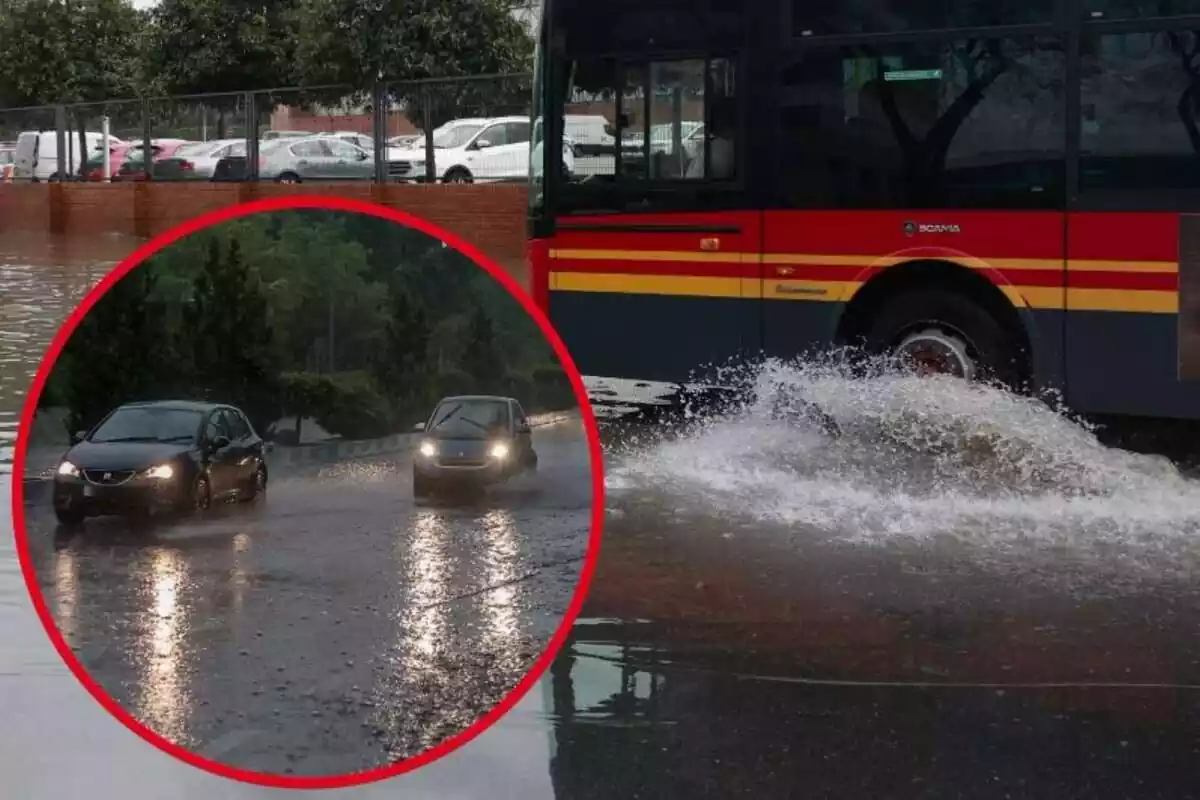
(311, 492)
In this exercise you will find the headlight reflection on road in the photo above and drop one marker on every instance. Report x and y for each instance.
(240, 575)
(423, 621)
(164, 703)
(66, 593)
(501, 556)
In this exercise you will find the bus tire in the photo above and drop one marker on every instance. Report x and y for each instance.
(946, 332)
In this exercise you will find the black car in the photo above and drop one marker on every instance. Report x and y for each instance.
(472, 441)
(145, 458)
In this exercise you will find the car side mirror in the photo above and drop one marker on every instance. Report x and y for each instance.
(219, 443)
(523, 427)
(363, 156)
(78, 436)
(482, 144)
(419, 427)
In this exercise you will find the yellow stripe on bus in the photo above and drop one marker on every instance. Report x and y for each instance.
(622, 283)
(1038, 297)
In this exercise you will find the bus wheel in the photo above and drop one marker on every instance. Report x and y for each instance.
(945, 333)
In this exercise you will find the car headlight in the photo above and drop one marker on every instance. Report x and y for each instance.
(163, 472)
(68, 469)
(428, 449)
(499, 451)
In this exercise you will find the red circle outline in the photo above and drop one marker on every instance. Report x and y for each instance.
(195, 225)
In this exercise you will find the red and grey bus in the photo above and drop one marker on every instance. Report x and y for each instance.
(1003, 187)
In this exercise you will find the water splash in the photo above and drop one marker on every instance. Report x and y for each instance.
(910, 459)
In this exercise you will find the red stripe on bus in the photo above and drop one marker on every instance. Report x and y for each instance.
(702, 269)
(1132, 281)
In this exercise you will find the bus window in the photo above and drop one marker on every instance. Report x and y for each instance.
(1140, 131)
(940, 123)
(1138, 9)
(674, 126)
(825, 17)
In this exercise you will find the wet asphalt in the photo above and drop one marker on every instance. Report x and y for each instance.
(336, 626)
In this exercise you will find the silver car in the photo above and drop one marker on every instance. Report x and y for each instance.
(198, 160)
(327, 158)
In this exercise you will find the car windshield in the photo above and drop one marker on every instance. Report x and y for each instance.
(470, 419)
(148, 424)
(457, 136)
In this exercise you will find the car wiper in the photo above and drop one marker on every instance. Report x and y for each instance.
(126, 439)
(447, 416)
(181, 437)
(479, 425)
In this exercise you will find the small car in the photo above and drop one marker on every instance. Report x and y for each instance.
(151, 457)
(472, 441)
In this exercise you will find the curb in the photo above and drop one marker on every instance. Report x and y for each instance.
(37, 490)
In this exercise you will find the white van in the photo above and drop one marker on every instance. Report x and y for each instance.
(36, 156)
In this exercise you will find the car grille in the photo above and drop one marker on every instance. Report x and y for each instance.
(399, 169)
(457, 461)
(108, 477)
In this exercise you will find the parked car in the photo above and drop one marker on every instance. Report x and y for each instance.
(197, 160)
(289, 160)
(125, 159)
(475, 150)
(270, 135)
(363, 140)
(36, 156)
(133, 165)
(472, 441)
(153, 457)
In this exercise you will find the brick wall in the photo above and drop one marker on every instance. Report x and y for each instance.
(490, 217)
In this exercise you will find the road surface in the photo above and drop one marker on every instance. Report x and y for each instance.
(335, 627)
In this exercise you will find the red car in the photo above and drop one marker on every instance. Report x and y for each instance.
(126, 161)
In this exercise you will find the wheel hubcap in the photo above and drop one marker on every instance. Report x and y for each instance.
(935, 352)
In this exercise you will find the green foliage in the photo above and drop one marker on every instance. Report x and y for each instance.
(552, 389)
(199, 46)
(225, 331)
(67, 51)
(356, 41)
(349, 404)
(244, 312)
(119, 353)
(482, 359)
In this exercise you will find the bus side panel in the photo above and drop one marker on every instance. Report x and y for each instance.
(1123, 325)
(656, 297)
(1189, 297)
(824, 258)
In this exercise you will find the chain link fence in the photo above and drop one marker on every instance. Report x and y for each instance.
(480, 133)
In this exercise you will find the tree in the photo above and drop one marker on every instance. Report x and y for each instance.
(213, 46)
(225, 330)
(70, 51)
(403, 366)
(118, 353)
(482, 359)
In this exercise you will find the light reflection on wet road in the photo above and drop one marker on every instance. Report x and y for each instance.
(334, 627)
(754, 654)
(57, 743)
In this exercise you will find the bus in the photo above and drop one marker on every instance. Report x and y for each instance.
(1006, 189)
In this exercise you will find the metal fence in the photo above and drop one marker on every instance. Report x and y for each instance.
(481, 128)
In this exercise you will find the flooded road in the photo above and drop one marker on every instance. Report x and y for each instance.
(963, 596)
(58, 743)
(334, 626)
